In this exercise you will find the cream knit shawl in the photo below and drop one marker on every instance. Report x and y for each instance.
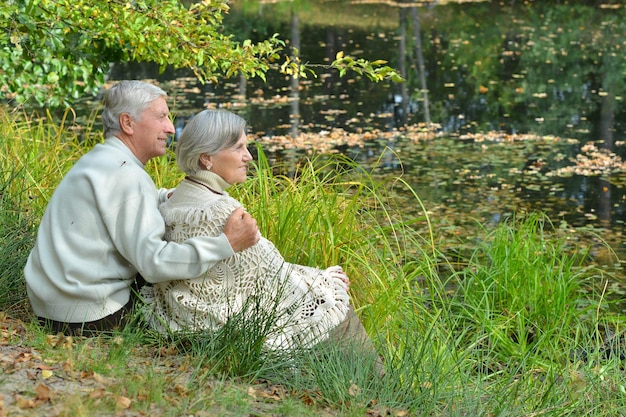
(301, 303)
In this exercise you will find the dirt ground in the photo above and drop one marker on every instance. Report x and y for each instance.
(31, 385)
(27, 382)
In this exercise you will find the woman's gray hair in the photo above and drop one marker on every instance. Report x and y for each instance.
(208, 132)
(132, 97)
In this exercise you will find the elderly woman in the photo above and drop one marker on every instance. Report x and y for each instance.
(305, 304)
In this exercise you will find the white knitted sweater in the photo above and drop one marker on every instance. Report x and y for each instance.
(303, 302)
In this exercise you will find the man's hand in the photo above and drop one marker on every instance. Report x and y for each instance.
(241, 230)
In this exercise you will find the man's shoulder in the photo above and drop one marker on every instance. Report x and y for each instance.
(108, 155)
(112, 151)
(110, 167)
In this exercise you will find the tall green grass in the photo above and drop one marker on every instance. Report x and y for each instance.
(332, 212)
(34, 155)
(520, 326)
(522, 291)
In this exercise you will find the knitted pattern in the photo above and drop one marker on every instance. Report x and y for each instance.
(304, 303)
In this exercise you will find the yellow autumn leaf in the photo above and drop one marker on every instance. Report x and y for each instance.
(122, 402)
(46, 373)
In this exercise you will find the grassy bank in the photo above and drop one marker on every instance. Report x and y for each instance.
(517, 326)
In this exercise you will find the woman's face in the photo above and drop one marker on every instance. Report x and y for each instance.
(232, 163)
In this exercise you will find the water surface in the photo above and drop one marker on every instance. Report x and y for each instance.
(527, 104)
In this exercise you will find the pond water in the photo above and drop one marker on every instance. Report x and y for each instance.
(526, 101)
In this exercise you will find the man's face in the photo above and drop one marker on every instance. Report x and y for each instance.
(151, 130)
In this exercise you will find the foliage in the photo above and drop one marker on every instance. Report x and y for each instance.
(375, 70)
(518, 327)
(521, 284)
(29, 171)
(57, 51)
(237, 347)
(16, 240)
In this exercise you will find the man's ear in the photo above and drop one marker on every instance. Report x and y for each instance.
(126, 123)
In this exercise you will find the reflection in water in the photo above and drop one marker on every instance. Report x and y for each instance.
(421, 67)
(403, 97)
(485, 72)
(604, 202)
(294, 108)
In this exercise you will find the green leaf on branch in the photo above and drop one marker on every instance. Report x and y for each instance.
(71, 45)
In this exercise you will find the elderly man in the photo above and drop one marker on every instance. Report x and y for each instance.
(102, 230)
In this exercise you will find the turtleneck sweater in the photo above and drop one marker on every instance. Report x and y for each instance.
(301, 304)
(210, 180)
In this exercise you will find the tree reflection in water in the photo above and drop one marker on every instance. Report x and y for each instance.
(516, 92)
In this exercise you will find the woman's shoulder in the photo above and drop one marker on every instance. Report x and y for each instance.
(214, 210)
(189, 200)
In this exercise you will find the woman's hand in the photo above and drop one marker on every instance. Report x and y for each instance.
(338, 272)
